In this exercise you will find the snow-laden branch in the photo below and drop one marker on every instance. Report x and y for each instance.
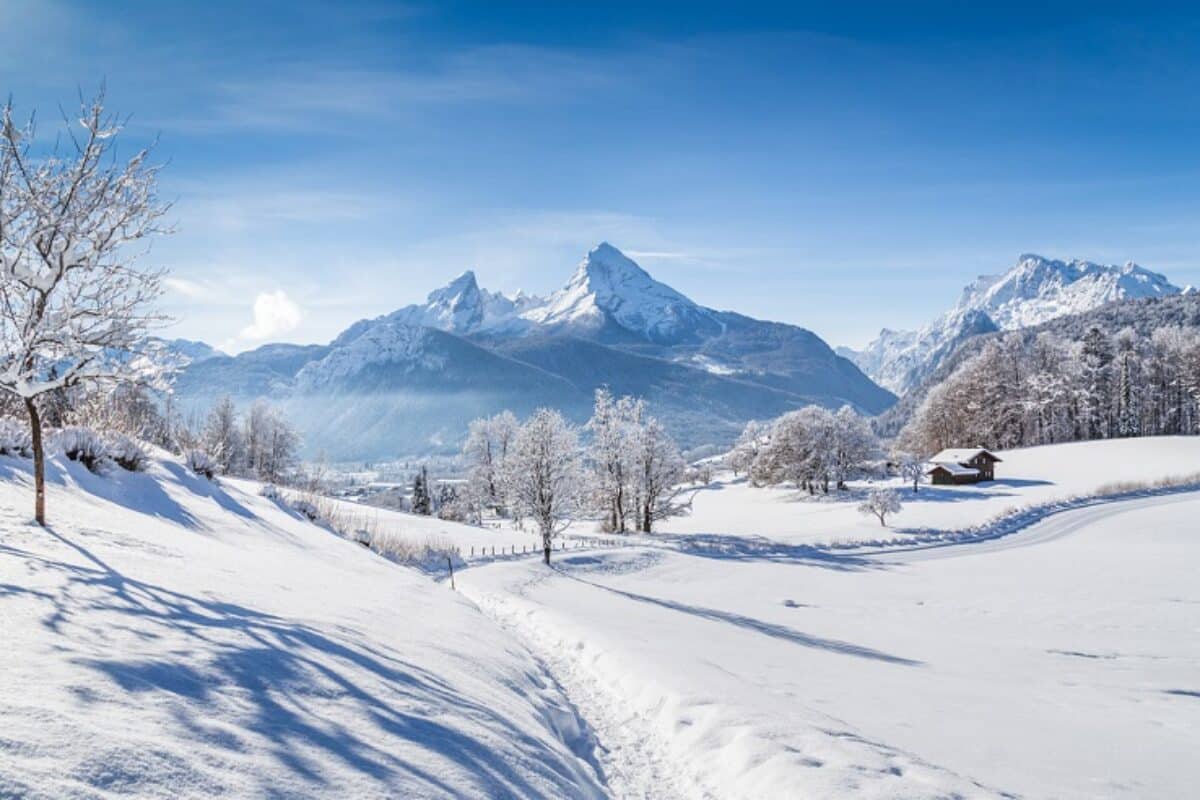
(73, 306)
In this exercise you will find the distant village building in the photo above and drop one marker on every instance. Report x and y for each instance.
(962, 465)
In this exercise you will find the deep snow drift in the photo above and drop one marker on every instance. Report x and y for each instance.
(169, 638)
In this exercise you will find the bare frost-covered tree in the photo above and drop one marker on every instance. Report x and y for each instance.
(610, 454)
(73, 308)
(881, 503)
(659, 472)
(542, 474)
(485, 451)
(270, 443)
(911, 467)
(851, 445)
(814, 447)
(748, 446)
(223, 437)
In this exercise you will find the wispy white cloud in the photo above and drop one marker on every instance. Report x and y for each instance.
(328, 99)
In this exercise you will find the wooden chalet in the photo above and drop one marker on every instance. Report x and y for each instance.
(962, 465)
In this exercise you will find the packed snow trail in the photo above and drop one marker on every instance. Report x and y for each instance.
(633, 763)
(672, 719)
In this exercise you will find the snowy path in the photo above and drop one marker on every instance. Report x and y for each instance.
(1033, 667)
(632, 760)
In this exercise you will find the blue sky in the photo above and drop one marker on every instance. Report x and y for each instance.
(836, 165)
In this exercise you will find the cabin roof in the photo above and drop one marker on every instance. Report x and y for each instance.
(960, 455)
(952, 468)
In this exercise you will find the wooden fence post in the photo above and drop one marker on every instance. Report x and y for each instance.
(450, 566)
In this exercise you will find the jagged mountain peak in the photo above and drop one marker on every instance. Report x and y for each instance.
(610, 294)
(1034, 290)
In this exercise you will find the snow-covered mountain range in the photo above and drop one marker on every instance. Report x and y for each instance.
(1034, 291)
(411, 380)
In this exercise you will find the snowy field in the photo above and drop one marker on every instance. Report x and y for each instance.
(731, 514)
(1062, 662)
(1031, 476)
(172, 638)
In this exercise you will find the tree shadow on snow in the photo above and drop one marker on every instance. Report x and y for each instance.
(758, 626)
(758, 548)
(280, 679)
(136, 491)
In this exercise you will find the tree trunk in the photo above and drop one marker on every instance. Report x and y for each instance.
(39, 462)
(546, 554)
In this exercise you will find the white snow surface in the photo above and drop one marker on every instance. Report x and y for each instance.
(167, 637)
(1061, 662)
(172, 638)
(730, 511)
(729, 657)
(1034, 291)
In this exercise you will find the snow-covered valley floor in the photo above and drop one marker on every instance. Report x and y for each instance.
(1060, 662)
(172, 638)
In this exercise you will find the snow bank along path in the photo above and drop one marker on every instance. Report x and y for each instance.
(171, 638)
(1060, 661)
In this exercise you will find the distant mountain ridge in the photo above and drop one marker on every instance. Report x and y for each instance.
(416, 376)
(1032, 292)
(1143, 315)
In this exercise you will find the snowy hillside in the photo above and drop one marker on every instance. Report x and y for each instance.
(170, 638)
(1034, 291)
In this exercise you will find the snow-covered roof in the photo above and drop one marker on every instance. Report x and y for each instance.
(959, 455)
(952, 468)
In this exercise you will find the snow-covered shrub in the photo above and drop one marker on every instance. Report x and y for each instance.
(271, 492)
(201, 463)
(14, 438)
(82, 444)
(127, 452)
(309, 509)
(429, 555)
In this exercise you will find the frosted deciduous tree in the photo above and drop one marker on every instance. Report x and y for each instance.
(749, 444)
(74, 309)
(658, 472)
(613, 427)
(222, 437)
(270, 443)
(910, 467)
(881, 503)
(851, 445)
(485, 450)
(813, 448)
(1028, 390)
(543, 477)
